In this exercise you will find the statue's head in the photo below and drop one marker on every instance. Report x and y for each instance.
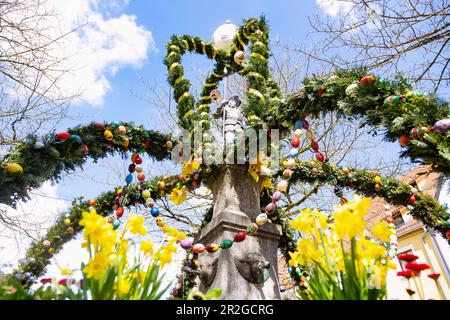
(234, 101)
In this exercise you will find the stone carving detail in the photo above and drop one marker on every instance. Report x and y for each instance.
(207, 270)
(253, 267)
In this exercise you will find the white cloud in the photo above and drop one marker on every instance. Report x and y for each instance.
(84, 43)
(34, 217)
(100, 48)
(335, 7)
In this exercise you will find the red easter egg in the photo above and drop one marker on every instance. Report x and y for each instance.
(320, 157)
(138, 159)
(140, 176)
(240, 236)
(314, 146)
(404, 140)
(295, 142)
(412, 199)
(63, 135)
(119, 212)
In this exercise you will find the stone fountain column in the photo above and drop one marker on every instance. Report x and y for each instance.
(236, 205)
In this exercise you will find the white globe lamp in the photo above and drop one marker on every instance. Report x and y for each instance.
(223, 36)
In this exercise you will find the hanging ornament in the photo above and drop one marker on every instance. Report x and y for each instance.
(298, 134)
(442, 126)
(314, 146)
(345, 170)
(295, 142)
(85, 149)
(186, 244)
(140, 176)
(100, 126)
(293, 153)
(115, 123)
(290, 163)
(261, 219)
(160, 222)
(239, 57)
(298, 125)
(38, 145)
(14, 168)
(377, 187)
(277, 195)
(367, 80)
(412, 199)
(287, 173)
(131, 168)
(320, 157)
(351, 89)
(377, 179)
(51, 250)
(125, 143)
(391, 100)
(212, 247)
(338, 191)
(67, 221)
(270, 208)
(169, 145)
(146, 194)
(63, 135)
(161, 184)
(138, 159)
(119, 212)
(46, 243)
(223, 36)
(252, 228)
(321, 91)
(122, 130)
(404, 140)
(108, 135)
(154, 211)
(214, 95)
(128, 178)
(240, 236)
(116, 224)
(282, 185)
(76, 138)
(226, 243)
(70, 230)
(198, 248)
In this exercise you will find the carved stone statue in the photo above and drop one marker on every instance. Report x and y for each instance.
(233, 119)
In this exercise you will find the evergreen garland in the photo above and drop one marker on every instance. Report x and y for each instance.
(48, 157)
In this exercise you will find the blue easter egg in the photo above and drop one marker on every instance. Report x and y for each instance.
(298, 124)
(128, 178)
(293, 153)
(115, 123)
(137, 195)
(116, 224)
(76, 138)
(154, 211)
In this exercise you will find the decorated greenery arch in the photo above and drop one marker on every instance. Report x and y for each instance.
(388, 106)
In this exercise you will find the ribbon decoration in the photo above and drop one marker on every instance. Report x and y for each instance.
(257, 93)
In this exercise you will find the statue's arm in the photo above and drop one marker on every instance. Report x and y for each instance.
(219, 111)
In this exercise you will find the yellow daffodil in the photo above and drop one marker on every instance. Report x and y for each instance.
(136, 224)
(382, 231)
(65, 271)
(147, 247)
(190, 167)
(308, 220)
(96, 267)
(178, 195)
(98, 231)
(267, 183)
(123, 286)
(293, 262)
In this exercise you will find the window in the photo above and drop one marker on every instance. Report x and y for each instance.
(398, 219)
